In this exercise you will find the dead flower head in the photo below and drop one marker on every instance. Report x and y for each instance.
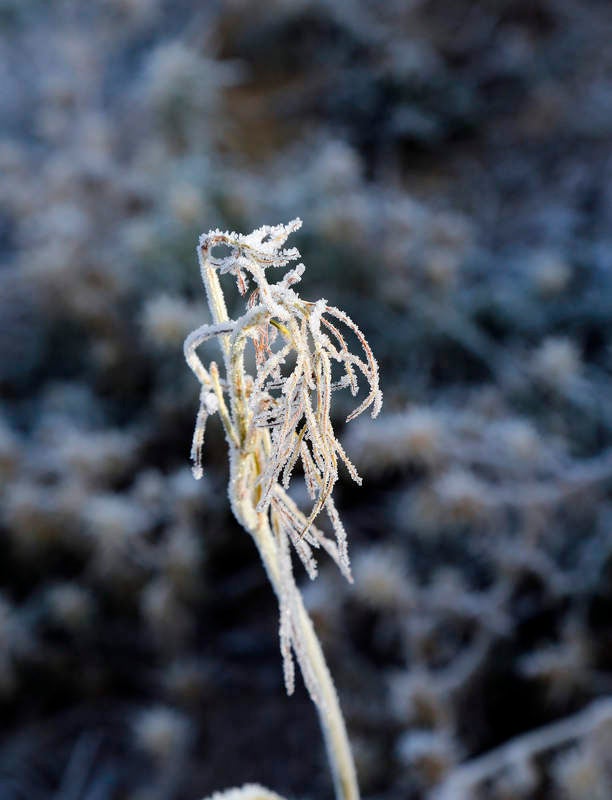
(276, 413)
(279, 413)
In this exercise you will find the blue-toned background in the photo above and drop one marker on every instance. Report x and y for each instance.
(452, 163)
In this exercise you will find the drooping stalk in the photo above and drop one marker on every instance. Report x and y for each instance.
(243, 477)
(272, 421)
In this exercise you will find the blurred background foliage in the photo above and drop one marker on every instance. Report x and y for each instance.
(452, 163)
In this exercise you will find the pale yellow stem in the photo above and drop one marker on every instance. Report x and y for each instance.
(243, 477)
(330, 714)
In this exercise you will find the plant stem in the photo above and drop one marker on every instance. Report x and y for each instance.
(330, 714)
(242, 482)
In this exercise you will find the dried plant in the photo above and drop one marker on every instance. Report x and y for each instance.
(273, 419)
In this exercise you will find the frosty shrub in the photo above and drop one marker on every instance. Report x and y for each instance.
(274, 416)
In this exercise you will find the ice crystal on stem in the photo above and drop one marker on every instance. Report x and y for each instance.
(281, 414)
(276, 416)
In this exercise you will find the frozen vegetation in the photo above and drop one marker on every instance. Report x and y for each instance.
(453, 168)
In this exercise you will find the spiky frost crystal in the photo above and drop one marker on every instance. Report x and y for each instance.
(280, 415)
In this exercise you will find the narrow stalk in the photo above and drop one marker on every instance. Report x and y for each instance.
(330, 714)
(216, 301)
(241, 482)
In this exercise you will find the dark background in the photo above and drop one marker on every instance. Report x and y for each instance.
(452, 163)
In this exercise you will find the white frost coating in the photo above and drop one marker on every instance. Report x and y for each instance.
(280, 415)
(208, 405)
(291, 640)
(211, 402)
(314, 320)
(275, 417)
(288, 419)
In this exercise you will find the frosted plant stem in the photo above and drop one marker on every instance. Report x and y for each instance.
(243, 506)
(330, 714)
(216, 302)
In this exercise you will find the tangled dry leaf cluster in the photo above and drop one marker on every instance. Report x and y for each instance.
(281, 413)
(275, 415)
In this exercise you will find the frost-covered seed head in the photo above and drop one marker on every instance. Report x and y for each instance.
(277, 415)
(286, 420)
